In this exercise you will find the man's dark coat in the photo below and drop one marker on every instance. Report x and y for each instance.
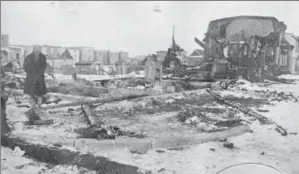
(35, 75)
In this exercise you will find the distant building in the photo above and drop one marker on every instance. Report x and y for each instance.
(63, 63)
(86, 53)
(5, 53)
(107, 69)
(293, 54)
(140, 57)
(114, 57)
(124, 55)
(75, 53)
(195, 58)
(86, 67)
(99, 56)
(56, 51)
(134, 61)
(106, 57)
(17, 54)
(11, 53)
(53, 51)
(161, 55)
(121, 67)
(27, 50)
(153, 69)
(197, 52)
(4, 40)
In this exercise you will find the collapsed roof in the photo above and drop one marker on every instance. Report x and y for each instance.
(239, 27)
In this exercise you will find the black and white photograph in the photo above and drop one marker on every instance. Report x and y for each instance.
(149, 87)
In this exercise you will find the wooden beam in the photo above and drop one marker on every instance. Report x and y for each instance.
(262, 119)
(100, 100)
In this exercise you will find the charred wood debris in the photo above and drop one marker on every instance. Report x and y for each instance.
(246, 62)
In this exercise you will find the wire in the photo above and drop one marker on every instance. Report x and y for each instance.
(252, 163)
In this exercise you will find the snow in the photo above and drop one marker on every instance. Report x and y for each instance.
(94, 77)
(13, 162)
(264, 145)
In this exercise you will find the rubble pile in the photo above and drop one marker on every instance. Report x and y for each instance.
(277, 96)
(151, 106)
(12, 81)
(85, 82)
(249, 112)
(77, 88)
(244, 86)
(134, 82)
(117, 83)
(123, 83)
(189, 73)
(209, 118)
(105, 132)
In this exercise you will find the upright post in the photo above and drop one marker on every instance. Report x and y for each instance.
(262, 66)
(172, 45)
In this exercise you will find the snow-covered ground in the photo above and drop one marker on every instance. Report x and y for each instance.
(13, 162)
(264, 145)
(93, 77)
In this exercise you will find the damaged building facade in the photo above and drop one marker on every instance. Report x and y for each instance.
(293, 54)
(238, 29)
(240, 37)
(153, 69)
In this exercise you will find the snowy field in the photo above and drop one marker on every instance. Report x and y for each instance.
(263, 145)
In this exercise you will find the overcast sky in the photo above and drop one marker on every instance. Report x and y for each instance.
(130, 26)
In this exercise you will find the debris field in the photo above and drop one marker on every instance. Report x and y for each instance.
(135, 121)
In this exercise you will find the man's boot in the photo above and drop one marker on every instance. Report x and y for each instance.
(33, 100)
(39, 101)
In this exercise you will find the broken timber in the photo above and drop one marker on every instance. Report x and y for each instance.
(262, 119)
(34, 114)
(88, 114)
(62, 156)
(101, 100)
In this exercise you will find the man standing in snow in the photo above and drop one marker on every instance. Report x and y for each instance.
(35, 65)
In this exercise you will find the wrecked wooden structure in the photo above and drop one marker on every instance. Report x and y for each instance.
(292, 54)
(153, 69)
(249, 44)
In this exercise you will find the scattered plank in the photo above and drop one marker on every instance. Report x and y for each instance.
(43, 122)
(262, 119)
(101, 100)
(88, 114)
